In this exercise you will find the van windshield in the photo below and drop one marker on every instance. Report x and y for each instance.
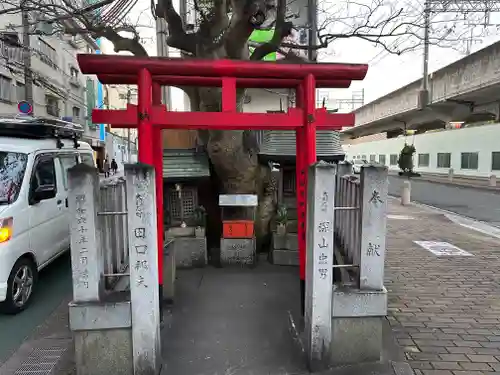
(12, 168)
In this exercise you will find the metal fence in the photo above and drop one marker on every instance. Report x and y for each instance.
(360, 223)
(112, 218)
(347, 216)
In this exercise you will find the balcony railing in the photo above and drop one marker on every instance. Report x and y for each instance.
(10, 53)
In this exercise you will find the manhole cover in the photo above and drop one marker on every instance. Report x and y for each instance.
(443, 248)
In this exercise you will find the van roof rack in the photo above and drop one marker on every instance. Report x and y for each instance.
(25, 126)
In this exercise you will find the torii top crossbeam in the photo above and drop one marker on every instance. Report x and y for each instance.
(131, 65)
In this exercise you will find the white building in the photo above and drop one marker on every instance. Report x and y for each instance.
(59, 88)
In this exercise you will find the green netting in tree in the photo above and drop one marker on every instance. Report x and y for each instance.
(262, 36)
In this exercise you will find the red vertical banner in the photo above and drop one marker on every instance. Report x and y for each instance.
(157, 147)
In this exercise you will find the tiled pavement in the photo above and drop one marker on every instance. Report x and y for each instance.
(445, 311)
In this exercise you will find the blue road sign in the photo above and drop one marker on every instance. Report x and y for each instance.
(24, 107)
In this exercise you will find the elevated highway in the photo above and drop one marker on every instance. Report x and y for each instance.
(467, 88)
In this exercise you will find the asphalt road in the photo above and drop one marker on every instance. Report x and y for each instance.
(475, 203)
(54, 285)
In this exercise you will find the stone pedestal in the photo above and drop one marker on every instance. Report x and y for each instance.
(169, 267)
(189, 252)
(285, 250)
(237, 251)
(357, 321)
(103, 336)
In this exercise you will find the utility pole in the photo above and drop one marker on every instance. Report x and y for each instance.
(129, 156)
(162, 51)
(26, 50)
(312, 22)
(423, 98)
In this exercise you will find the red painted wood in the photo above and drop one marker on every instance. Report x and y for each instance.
(268, 83)
(131, 65)
(127, 118)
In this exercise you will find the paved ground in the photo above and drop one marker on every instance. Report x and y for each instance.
(54, 287)
(475, 203)
(233, 321)
(445, 311)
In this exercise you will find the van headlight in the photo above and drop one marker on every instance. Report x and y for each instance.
(6, 229)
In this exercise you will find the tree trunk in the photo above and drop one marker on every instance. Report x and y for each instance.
(233, 155)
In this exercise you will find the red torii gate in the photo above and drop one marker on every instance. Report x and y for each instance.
(150, 117)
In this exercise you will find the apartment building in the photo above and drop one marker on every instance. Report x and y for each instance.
(59, 88)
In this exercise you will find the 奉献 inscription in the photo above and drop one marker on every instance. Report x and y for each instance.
(373, 250)
(375, 198)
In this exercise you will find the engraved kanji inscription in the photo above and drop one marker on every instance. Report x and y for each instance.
(140, 233)
(373, 250)
(324, 226)
(141, 249)
(323, 243)
(375, 199)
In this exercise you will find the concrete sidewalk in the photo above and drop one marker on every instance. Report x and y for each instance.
(444, 310)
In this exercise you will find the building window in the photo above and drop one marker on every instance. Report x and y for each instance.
(20, 91)
(181, 209)
(423, 160)
(381, 159)
(443, 160)
(47, 53)
(52, 105)
(469, 160)
(495, 161)
(76, 113)
(393, 159)
(5, 89)
(372, 158)
(10, 39)
(363, 157)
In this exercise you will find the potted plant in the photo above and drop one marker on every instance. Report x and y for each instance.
(405, 161)
(200, 218)
(281, 220)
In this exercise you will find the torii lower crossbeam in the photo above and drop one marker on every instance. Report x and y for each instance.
(150, 117)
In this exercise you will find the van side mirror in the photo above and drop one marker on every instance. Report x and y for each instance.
(42, 193)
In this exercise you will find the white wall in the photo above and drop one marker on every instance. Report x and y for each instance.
(262, 100)
(481, 139)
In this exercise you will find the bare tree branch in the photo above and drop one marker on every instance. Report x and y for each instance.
(282, 29)
(178, 38)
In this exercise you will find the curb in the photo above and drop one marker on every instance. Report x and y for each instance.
(453, 184)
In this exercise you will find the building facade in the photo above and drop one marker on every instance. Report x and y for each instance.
(59, 89)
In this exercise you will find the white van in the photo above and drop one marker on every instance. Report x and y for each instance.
(34, 223)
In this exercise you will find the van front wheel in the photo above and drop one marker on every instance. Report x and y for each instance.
(20, 287)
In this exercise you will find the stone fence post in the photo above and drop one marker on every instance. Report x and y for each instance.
(144, 288)
(319, 264)
(374, 193)
(87, 262)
